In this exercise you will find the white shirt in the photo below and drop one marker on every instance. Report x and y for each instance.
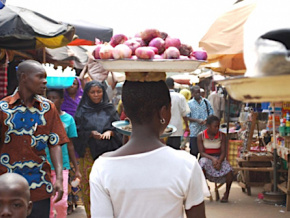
(179, 109)
(217, 102)
(152, 184)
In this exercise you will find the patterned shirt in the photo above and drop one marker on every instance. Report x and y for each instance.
(198, 111)
(25, 133)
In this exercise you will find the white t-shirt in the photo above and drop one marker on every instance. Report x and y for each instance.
(152, 184)
(179, 109)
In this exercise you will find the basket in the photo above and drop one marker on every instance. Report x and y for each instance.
(61, 82)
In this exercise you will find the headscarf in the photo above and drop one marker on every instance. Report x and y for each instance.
(69, 104)
(87, 104)
(91, 116)
(186, 93)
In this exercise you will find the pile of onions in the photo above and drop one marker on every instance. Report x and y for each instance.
(148, 44)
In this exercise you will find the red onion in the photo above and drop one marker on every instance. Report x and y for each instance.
(133, 44)
(185, 49)
(106, 51)
(96, 52)
(134, 57)
(142, 42)
(175, 42)
(122, 51)
(199, 54)
(118, 39)
(163, 35)
(144, 53)
(171, 53)
(154, 49)
(183, 57)
(158, 43)
(150, 34)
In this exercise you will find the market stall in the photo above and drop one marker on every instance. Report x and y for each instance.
(267, 82)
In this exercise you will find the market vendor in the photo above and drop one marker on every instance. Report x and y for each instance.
(212, 148)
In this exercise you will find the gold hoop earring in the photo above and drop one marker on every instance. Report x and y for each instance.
(162, 121)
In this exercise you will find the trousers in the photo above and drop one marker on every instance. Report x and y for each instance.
(61, 206)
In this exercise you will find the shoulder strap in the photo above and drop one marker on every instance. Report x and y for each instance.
(207, 110)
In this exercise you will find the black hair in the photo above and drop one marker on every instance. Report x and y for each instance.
(212, 118)
(142, 100)
(169, 82)
(194, 88)
(60, 92)
(25, 67)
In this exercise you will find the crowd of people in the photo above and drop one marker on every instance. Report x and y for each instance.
(68, 136)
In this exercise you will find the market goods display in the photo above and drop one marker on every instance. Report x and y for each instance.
(147, 45)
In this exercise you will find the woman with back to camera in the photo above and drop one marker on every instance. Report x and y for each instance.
(212, 147)
(146, 178)
(96, 135)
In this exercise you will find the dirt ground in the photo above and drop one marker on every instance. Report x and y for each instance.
(240, 205)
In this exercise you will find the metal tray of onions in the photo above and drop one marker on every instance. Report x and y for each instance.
(152, 65)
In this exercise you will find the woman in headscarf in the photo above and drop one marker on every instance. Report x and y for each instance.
(72, 97)
(96, 135)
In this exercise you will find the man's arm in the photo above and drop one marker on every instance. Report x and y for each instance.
(199, 121)
(56, 159)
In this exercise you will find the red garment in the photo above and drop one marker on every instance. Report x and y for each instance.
(3, 79)
(25, 133)
(216, 138)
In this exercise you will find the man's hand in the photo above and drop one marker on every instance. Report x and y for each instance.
(57, 188)
(202, 122)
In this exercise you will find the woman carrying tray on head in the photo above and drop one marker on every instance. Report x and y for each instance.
(96, 135)
(146, 178)
(212, 147)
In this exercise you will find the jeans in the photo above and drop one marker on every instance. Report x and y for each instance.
(61, 206)
(193, 146)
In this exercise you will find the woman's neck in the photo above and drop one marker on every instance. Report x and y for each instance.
(73, 96)
(210, 134)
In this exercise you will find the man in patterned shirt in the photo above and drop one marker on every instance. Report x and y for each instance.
(200, 109)
(29, 123)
